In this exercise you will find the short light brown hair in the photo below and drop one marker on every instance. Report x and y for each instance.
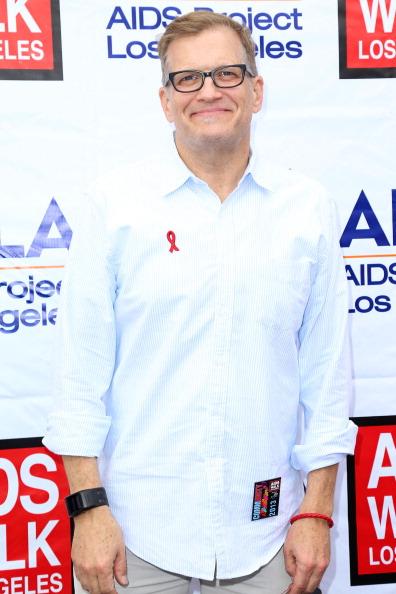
(194, 23)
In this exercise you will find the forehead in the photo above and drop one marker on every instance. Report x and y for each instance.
(208, 49)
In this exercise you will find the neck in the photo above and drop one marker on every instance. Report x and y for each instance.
(221, 170)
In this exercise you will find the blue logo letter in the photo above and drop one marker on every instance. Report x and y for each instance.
(53, 216)
(374, 231)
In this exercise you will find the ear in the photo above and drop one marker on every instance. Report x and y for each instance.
(166, 104)
(258, 90)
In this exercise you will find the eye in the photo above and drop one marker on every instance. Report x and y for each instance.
(187, 78)
(192, 76)
(228, 74)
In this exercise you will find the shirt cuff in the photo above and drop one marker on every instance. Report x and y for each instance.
(332, 448)
(69, 435)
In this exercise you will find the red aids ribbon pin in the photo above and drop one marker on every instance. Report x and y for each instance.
(171, 236)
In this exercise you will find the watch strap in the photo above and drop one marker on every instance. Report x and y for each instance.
(81, 501)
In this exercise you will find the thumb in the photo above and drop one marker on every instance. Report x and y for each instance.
(120, 567)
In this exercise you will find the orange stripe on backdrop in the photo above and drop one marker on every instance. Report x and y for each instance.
(27, 267)
(372, 256)
(53, 267)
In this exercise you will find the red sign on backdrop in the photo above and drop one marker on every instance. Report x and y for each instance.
(30, 40)
(372, 502)
(367, 30)
(35, 536)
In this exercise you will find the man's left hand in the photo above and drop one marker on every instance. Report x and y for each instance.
(307, 554)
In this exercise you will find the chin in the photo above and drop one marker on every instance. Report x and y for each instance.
(214, 144)
(214, 133)
(210, 136)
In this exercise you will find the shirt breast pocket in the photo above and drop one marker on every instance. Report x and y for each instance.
(284, 288)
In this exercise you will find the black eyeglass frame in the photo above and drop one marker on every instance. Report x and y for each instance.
(211, 73)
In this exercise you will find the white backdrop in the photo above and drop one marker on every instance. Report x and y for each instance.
(57, 136)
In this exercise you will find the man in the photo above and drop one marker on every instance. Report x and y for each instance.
(205, 304)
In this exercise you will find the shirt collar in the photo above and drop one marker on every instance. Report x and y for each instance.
(175, 172)
(265, 173)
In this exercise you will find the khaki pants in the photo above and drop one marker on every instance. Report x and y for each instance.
(145, 578)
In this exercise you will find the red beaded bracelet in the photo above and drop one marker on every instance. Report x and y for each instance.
(313, 515)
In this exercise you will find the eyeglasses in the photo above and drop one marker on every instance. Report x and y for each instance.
(224, 77)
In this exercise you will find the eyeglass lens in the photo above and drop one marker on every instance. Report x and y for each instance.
(227, 76)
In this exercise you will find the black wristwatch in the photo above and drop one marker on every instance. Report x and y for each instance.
(81, 501)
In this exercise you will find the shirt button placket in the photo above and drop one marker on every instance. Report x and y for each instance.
(223, 317)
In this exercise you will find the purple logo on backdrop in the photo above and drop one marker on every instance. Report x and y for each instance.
(28, 291)
(371, 270)
(277, 33)
(41, 241)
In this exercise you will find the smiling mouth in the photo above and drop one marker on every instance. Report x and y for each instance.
(209, 112)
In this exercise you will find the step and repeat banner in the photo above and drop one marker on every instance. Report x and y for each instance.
(79, 95)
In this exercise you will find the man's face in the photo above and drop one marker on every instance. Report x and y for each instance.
(211, 115)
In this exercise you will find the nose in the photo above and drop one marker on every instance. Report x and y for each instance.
(209, 89)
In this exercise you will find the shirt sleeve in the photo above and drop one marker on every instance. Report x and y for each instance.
(78, 423)
(324, 358)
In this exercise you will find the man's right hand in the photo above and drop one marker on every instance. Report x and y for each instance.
(98, 551)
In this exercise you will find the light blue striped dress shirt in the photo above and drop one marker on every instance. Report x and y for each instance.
(184, 370)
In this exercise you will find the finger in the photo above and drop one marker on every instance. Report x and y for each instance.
(89, 584)
(315, 578)
(86, 575)
(290, 562)
(105, 579)
(300, 580)
(120, 568)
